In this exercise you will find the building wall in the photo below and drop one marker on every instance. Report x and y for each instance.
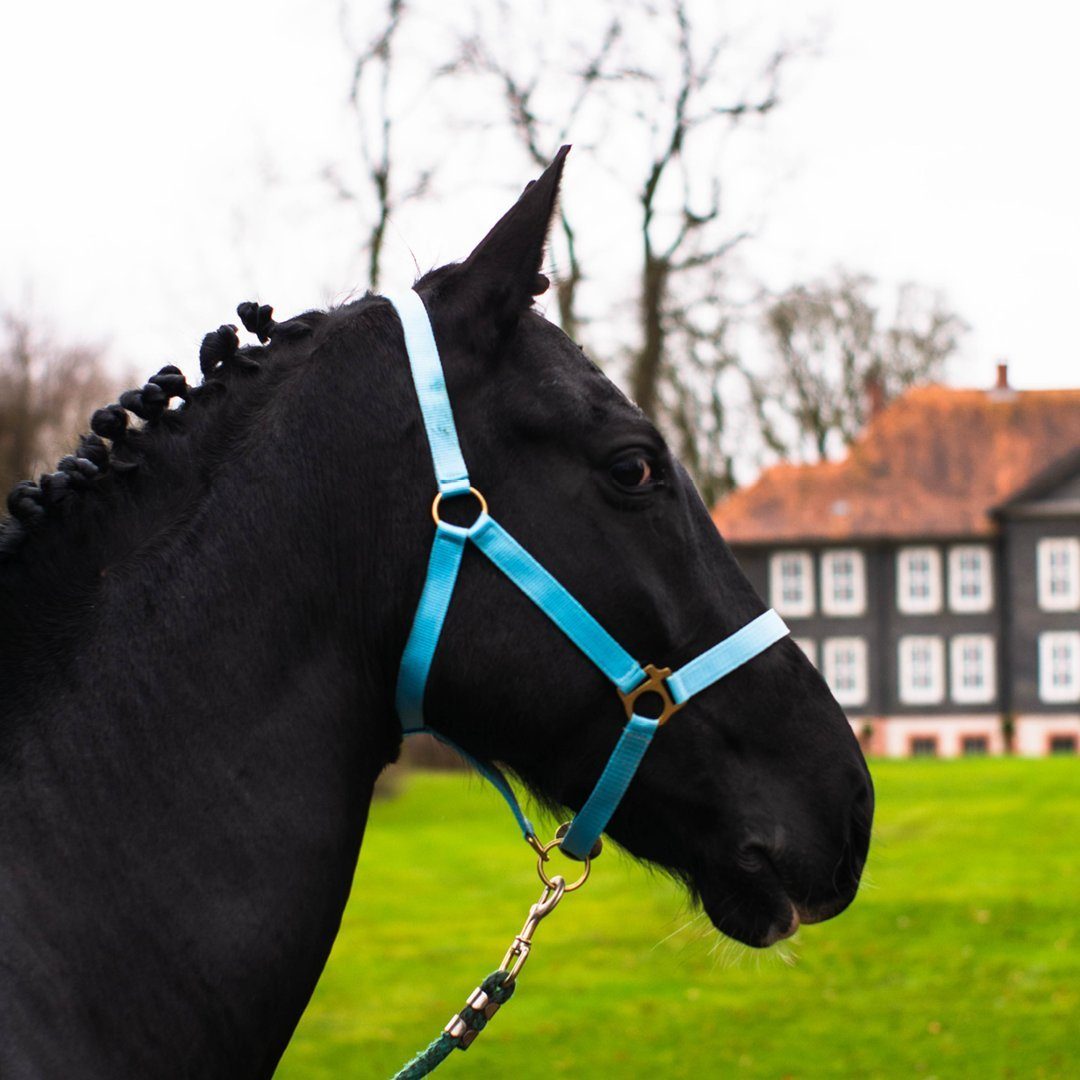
(945, 624)
(819, 627)
(1026, 619)
(755, 565)
(1034, 731)
(883, 624)
(885, 723)
(892, 736)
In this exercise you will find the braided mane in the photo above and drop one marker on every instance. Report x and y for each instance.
(108, 457)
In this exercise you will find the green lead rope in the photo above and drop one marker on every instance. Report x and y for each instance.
(461, 1031)
(497, 989)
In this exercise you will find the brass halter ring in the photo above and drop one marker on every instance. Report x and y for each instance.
(472, 491)
(542, 857)
(654, 684)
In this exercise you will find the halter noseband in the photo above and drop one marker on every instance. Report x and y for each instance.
(631, 680)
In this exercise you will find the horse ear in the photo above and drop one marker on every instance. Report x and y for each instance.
(502, 275)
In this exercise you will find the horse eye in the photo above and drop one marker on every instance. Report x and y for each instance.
(632, 472)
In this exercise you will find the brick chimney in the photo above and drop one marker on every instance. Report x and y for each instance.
(1001, 390)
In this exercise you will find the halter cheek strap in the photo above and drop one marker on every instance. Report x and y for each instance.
(629, 678)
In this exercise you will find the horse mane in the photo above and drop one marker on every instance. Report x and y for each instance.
(109, 457)
(118, 462)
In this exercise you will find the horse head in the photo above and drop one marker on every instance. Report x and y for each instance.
(755, 794)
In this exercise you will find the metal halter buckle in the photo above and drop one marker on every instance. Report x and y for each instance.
(653, 684)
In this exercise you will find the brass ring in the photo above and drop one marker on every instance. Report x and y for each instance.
(550, 882)
(472, 491)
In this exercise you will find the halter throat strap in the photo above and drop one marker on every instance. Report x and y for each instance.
(628, 677)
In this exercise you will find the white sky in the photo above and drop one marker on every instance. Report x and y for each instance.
(932, 141)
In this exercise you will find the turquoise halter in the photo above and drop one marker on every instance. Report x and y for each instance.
(630, 678)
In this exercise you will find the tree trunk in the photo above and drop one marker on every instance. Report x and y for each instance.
(645, 377)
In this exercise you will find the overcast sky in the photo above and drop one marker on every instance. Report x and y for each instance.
(931, 141)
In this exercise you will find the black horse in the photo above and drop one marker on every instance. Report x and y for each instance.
(201, 621)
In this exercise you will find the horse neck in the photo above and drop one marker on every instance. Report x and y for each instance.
(185, 798)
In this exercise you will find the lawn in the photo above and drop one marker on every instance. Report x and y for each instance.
(961, 956)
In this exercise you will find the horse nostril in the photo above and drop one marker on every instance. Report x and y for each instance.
(760, 853)
(751, 857)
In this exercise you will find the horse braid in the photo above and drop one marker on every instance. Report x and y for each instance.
(94, 450)
(78, 470)
(257, 319)
(172, 382)
(25, 502)
(217, 347)
(110, 423)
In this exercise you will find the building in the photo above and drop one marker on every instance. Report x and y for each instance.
(933, 575)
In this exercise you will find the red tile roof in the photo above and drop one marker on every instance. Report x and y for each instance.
(931, 464)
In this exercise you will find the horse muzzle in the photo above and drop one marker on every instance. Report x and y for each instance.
(781, 878)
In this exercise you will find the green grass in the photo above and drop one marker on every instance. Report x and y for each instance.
(958, 959)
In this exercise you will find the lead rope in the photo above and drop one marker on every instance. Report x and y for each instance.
(496, 990)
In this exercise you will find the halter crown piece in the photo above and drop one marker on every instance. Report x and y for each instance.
(631, 680)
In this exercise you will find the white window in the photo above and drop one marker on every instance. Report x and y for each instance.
(969, 578)
(1059, 573)
(791, 583)
(918, 580)
(843, 582)
(1059, 666)
(843, 663)
(808, 646)
(972, 669)
(922, 670)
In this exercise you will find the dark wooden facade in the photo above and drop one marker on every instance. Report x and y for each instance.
(991, 661)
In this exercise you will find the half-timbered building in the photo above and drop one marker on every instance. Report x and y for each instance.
(933, 574)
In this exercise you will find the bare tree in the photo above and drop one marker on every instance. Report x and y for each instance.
(676, 249)
(655, 76)
(646, 89)
(379, 195)
(523, 94)
(835, 361)
(47, 392)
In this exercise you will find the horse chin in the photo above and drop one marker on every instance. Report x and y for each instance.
(757, 910)
(756, 917)
(750, 902)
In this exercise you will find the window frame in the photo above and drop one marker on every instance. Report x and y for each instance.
(908, 692)
(907, 604)
(931, 740)
(1049, 693)
(830, 605)
(977, 737)
(1044, 554)
(859, 693)
(984, 601)
(776, 583)
(961, 694)
(1062, 737)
